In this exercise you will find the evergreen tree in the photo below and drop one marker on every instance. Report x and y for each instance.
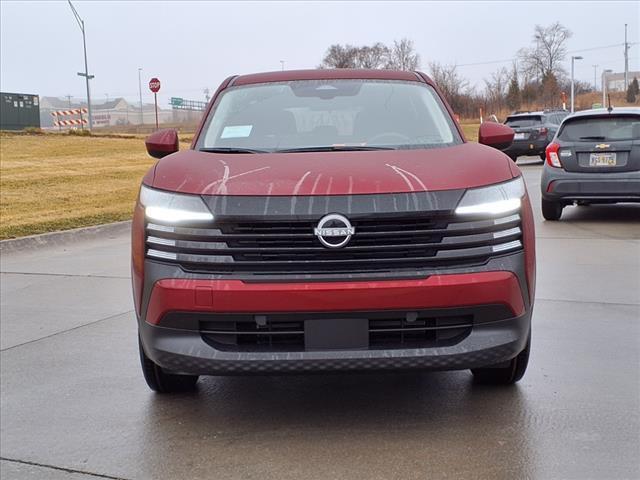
(631, 94)
(636, 87)
(514, 97)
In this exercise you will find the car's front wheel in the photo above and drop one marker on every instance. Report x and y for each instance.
(161, 381)
(506, 375)
(551, 210)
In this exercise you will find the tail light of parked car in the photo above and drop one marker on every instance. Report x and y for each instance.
(553, 157)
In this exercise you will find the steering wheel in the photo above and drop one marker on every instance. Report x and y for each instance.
(379, 138)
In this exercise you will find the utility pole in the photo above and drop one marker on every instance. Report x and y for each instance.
(626, 59)
(573, 59)
(604, 86)
(140, 90)
(68, 100)
(595, 81)
(86, 75)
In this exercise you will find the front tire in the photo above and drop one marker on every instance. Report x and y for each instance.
(551, 210)
(505, 375)
(161, 381)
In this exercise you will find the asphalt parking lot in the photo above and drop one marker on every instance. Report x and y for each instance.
(74, 404)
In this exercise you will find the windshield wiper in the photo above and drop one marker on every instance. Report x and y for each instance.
(593, 137)
(333, 148)
(231, 150)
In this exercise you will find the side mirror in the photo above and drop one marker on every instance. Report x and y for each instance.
(162, 143)
(495, 135)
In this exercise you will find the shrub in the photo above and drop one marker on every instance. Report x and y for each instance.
(80, 133)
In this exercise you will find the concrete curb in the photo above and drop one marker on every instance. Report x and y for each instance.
(31, 242)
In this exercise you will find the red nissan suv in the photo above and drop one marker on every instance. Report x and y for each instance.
(332, 220)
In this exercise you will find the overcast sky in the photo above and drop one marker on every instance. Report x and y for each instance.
(193, 45)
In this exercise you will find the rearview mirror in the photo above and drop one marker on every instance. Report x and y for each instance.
(495, 135)
(162, 143)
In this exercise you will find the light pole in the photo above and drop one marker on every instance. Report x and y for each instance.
(626, 59)
(86, 75)
(573, 59)
(604, 87)
(140, 90)
(595, 77)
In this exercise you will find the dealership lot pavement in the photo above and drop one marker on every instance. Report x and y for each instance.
(75, 406)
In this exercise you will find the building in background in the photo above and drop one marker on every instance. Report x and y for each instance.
(615, 81)
(114, 112)
(19, 111)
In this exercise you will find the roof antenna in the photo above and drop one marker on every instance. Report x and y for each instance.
(609, 108)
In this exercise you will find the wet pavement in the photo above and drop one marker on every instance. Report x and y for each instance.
(75, 406)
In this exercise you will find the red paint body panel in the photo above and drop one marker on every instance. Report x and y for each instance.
(162, 142)
(495, 135)
(137, 255)
(437, 291)
(332, 173)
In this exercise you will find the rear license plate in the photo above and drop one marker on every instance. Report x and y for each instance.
(518, 136)
(602, 160)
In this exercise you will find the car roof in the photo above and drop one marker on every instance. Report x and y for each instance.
(327, 74)
(525, 114)
(537, 112)
(603, 112)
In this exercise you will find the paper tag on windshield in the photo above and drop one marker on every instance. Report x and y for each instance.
(236, 131)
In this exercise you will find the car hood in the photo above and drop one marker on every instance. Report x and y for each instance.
(332, 173)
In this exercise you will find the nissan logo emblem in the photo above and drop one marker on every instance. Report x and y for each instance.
(334, 230)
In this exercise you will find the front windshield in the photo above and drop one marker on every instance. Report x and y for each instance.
(310, 114)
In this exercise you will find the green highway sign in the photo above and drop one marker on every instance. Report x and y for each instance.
(177, 101)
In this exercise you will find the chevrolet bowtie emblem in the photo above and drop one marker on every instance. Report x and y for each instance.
(603, 145)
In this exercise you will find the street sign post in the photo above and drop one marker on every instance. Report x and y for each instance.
(154, 86)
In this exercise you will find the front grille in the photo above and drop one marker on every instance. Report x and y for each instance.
(286, 333)
(289, 247)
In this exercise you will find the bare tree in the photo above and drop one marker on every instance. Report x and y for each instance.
(402, 56)
(446, 77)
(496, 89)
(546, 55)
(340, 56)
(375, 56)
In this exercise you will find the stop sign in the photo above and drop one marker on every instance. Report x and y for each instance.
(154, 85)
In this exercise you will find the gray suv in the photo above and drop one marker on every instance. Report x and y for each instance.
(533, 131)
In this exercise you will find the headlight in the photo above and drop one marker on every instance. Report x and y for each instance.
(172, 207)
(493, 200)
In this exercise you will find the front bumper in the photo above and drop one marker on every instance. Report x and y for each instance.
(184, 351)
(559, 185)
(499, 285)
